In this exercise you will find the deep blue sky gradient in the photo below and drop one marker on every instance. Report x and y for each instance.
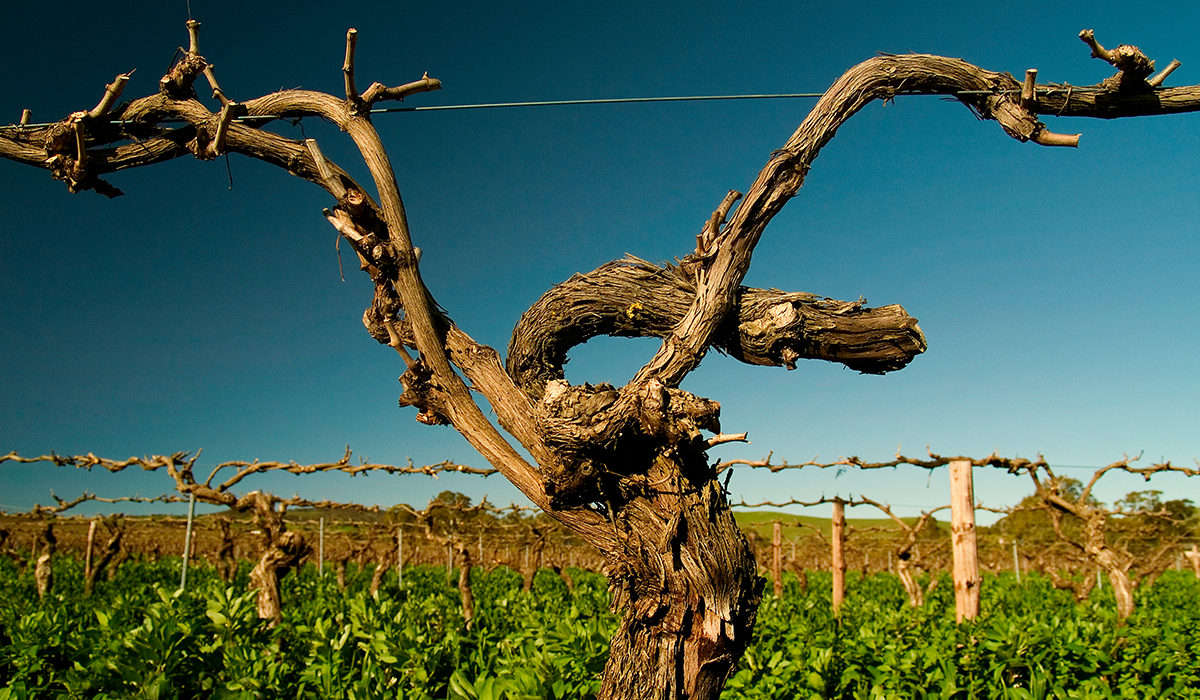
(1057, 287)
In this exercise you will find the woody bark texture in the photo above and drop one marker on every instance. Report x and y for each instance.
(634, 298)
(1079, 589)
(283, 551)
(689, 587)
(533, 558)
(907, 555)
(43, 576)
(837, 558)
(462, 552)
(1094, 543)
(115, 527)
(625, 468)
(43, 573)
(962, 533)
(226, 560)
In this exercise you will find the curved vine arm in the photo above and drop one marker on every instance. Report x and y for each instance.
(73, 151)
(576, 420)
(634, 298)
(723, 253)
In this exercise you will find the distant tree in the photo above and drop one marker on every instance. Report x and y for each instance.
(453, 500)
(1152, 519)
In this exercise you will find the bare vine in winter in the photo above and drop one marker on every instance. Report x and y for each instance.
(283, 549)
(1094, 539)
(625, 468)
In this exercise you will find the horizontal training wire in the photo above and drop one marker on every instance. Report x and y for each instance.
(615, 100)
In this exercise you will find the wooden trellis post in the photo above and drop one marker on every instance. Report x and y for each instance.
(777, 558)
(837, 541)
(87, 559)
(962, 529)
(321, 550)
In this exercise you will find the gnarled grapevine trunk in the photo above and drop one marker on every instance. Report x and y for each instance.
(116, 530)
(801, 575)
(284, 553)
(625, 469)
(916, 597)
(462, 552)
(1115, 565)
(11, 552)
(115, 566)
(43, 576)
(382, 564)
(1080, 590)
(1095, 545)
(284, 549)
(533, 556)
(226, 561)
(688, 586)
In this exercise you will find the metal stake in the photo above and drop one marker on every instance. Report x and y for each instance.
(187, 541)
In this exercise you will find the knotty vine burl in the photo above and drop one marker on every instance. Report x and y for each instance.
(625, 468)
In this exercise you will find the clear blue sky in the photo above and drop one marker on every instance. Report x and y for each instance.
(1057, 288)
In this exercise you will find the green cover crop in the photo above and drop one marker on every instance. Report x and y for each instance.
(136, 637)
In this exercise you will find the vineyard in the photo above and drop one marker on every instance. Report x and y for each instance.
(137, 636)
(467, 601)
(631, 573)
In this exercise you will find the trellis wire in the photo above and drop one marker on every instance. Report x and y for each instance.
(601, 101)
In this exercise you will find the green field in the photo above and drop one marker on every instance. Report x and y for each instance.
(793, 526)
(136, 637)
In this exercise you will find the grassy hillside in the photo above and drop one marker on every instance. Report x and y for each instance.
(761, 522)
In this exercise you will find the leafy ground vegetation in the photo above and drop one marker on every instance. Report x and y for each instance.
(135, 636)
